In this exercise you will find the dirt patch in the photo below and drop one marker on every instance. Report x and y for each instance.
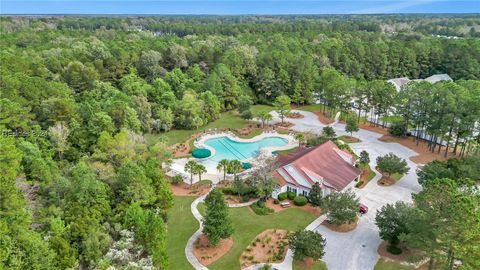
(207, 253)
(184, 189)
(424, 154)
(316, 211)
(295, 115)
(386, 181)
(324, 119)
(341, 228)
(270, 246)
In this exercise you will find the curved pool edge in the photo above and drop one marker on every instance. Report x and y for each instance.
(291, 143)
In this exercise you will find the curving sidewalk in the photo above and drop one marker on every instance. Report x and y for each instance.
(237, 205)
(191, 241)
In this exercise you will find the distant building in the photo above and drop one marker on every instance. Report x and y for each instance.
(334, 169)
(400, 82)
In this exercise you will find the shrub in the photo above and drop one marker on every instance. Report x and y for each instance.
(177, 179)
(276, 201)
(282, 196)
(245, 198)
(300, 200)
(397, 129)
(246, 115)
(317, 140)
(228, 191)
(394, 250)
(259, 208)
(291, 195)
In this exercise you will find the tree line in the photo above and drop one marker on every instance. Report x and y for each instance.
(79, 179)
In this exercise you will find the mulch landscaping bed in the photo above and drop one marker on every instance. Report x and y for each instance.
(424, 154)
(324, 119)
(181, 149)
(270, 246)
(386, 181)
(306, 263)
(207, 253)
(341, 228)
(364, 177)
(295, 115)
(403, 257)
(284, 125)
(184, 189)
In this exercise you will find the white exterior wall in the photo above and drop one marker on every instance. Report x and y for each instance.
(278, 191)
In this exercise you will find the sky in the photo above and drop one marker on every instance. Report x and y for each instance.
(236, 7)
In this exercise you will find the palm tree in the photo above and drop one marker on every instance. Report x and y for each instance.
(300, 138)
(265, 116)
(200, 169)
(223, 166)
(235, 166)
(190, 168)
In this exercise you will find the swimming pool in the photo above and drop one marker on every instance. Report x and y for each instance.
(226, 148)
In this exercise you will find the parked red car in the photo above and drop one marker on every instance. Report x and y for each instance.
(362, 208)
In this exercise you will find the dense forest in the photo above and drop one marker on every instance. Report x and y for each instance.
(79, 181)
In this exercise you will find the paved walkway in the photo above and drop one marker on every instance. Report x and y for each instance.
(237, 205)
(191, 241)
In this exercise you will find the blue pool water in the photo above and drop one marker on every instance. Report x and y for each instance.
(225, 148)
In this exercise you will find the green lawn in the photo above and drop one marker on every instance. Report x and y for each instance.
(348, 139)
(256, 109)
(227, 120)
(286, 152)
(181, 225)
(396, 176)
(247, 225)
(311, 108)
(391, 265)
(371, 175)
(392, 119)
(320, 265)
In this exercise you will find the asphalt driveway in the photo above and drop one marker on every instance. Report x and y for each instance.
(357, 250)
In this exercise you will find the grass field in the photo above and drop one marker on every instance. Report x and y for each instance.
(391, 265)
(247, 225)
(392, 119)
(228, 119)
(320, 265)
(181, 225)
(256, 109)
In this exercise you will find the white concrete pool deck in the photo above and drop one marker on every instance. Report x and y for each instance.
(178, 165)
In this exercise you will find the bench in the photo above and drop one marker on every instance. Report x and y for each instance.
(285, 204)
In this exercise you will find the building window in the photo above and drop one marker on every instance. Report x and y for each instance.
(305, 193)
(290, 189)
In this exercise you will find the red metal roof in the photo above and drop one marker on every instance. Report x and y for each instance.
(324, 160)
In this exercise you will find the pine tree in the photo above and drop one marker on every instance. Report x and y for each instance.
(217, 224)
